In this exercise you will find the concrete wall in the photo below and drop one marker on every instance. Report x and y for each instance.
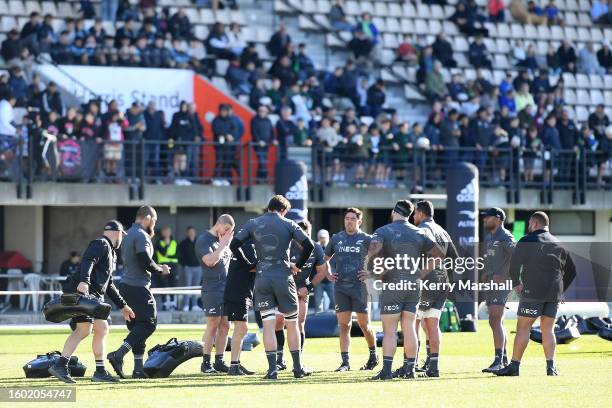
(71, 228)
(23, 232)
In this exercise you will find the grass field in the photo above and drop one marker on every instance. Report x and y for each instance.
(585, 376)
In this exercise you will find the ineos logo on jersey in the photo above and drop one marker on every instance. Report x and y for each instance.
(352, 249)
(263, 304)
(392, 307)
(532, 312)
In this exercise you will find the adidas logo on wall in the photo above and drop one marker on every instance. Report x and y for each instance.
(298, 191)
(467, 193)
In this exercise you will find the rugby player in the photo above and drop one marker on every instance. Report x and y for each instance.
(212, 249)
(271, 233)
(347, 250)
(95, 280)
(499, 246)
(238, 299)
(399, 238)
(313, 272)
(432, 299)
(541, 270)
(135, 287)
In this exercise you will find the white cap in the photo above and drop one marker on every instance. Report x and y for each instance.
(322, 233)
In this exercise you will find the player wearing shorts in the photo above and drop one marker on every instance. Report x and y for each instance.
(212, 249)
(313, 272)
(499, 246)
(95, 280)
(541, 270)
(238, 299)
(271, 233)
(433, 298)
(404, 240)
(348, 249)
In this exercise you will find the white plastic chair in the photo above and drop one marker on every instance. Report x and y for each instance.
(15, 282)
(32, 282)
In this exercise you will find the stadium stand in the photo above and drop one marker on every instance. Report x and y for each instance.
(389, 66)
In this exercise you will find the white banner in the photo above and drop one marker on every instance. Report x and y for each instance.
(167, 87)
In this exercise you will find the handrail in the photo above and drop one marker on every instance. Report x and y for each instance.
(87, 93)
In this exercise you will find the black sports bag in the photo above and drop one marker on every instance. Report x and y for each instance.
(71, 305)
(39, 367)
(164, 358)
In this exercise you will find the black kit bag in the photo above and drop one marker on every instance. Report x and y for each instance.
(70, 305)
(164, 358)
(39, 367)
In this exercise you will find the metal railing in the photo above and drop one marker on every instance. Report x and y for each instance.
(141, 162)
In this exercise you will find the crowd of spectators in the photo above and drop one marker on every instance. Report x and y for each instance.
(341, 113)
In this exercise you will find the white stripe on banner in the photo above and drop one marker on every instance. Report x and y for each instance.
(165, 291)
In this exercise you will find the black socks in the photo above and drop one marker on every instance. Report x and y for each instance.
(138, 363)
(297, 364)
(345, 357)
(271, 356)
(100, 367)
(62, 362)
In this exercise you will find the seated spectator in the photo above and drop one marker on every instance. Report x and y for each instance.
(552, 60)
(600, 12)
(530, 62)
(478, 54)
(78, 51)
(282, 70)
(217, 43)
(250, 54)
(523, 98)
(52, 100)
(567, 57)
(457, 90)
(465, 21)
(506, 84)
(279, 40)
(426, 62)
(126, 53)
(599, 121)
(360, 45)
(158, 55)
(60, 51)
(180, 58)
(237, 78)
(148, 30)
(482, 85)
(179, 25)
(18, 86)
(337, 17)
(551, 11)
(79, 29)
(71, 265)
(587, 61)
(519, 55)
(369, 28)
(406, 52)
(443, 51)
(302, 63)
(522, 78)
(11, 47)
(98, 31)
(106, 54)
(197, 53)
(236, 39)
(542, 89)
(127, 31)
(376, 98)
(46, 33)
(604, 150)
(506, 100)
(496, 11)
(300, 101)
(604, 56)
(530, 14)
(434, 82)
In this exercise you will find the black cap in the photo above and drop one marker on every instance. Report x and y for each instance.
(114, 225)
(494, 212)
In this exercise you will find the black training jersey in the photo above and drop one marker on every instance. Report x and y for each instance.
(240, 279)
(316, 258)
(498, 252)
(409, 243)
(348, 252)
(272, 234)
(445, 243)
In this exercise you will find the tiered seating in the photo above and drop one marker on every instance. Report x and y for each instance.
(396, 20)
(15, 14)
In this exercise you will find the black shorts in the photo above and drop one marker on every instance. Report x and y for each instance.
(496, 297)
(236, 311)
(536, 308)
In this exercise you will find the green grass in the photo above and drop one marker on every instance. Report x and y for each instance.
(585, 368)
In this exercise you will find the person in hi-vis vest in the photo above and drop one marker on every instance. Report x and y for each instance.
(166, 249)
